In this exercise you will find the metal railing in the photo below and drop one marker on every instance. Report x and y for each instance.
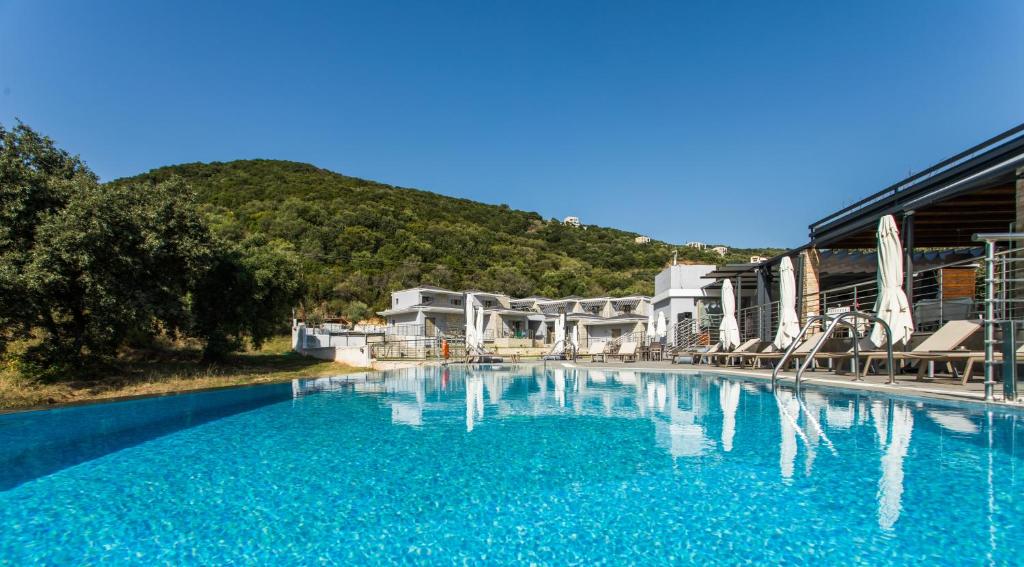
(758, 321)
(834, 323)
(933, 306)
(1004, 306)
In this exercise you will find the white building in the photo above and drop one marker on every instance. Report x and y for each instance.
(642, 240)
(677, 290)
(720, 250)
(757, 259)
(431, 311)
(571, 221)
(697, 245)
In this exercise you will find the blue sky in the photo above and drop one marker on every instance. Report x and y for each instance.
(701, 120)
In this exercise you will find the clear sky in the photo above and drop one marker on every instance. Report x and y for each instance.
(735, 122)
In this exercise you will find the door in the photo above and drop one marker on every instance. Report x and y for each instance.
(430, 327)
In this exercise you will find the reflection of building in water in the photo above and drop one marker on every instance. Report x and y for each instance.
(678, 407)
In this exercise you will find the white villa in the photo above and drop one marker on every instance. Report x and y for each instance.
(679, 293)
(428, 311)
(642, 240)
(572, 221)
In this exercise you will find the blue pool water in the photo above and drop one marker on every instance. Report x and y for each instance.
(512, 465)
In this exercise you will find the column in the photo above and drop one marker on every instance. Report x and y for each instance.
(810, 301)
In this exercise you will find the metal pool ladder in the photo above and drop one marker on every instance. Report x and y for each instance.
(835, 322)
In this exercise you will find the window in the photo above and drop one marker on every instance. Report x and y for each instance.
(488, 303)
(627, 309)
(427, 300)
(596, 309)
(396, 302)
(456, 302)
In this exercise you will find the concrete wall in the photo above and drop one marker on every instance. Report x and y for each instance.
(352, 356)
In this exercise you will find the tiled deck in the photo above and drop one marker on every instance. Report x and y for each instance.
(940, 387)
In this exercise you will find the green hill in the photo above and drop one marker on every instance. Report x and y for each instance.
(359, 239)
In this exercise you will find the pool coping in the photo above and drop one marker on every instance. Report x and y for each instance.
(963, 400)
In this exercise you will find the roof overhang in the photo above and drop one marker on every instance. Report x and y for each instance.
(971, 192)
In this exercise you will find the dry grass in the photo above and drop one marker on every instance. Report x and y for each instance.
(168, 370)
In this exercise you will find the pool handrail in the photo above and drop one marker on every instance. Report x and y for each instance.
(834, 321)
(840, 320)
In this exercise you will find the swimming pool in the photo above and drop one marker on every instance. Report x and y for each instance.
(512, 464)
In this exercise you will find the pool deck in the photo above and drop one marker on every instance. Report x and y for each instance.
(942, 387)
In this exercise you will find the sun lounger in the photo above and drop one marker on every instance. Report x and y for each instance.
(626, 350)
(947, 339)
(747, 346)
(970, 358)
(596, 350)
(700, 355)
(799, 353)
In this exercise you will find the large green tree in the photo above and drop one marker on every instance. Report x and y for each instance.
(87, 268)
(116, 262)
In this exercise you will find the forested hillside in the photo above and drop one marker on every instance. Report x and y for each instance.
(358, 240)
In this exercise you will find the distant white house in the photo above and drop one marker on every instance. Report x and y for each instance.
(677, 291)
(571, 221)
(720, 250)
(697, 245)
(642, 239)
(757, 259)
(431, 311)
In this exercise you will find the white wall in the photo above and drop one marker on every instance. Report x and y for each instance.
(677, 289)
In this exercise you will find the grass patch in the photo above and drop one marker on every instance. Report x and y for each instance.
(168, 369)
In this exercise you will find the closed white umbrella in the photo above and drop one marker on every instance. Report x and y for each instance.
(728, 330)
(652, 328)
(789, 323)
(480, 327)
(575, 337)
(892, 305)
(470, 322)
(559, 334)
(662, 329)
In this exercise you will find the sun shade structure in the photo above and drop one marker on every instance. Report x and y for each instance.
(728, 330)
(789, 323)
(652, 328)
(661, 330)
(892, 305)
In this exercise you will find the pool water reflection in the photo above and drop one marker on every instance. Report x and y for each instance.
(534, 464)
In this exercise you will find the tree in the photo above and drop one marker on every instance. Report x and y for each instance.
(36, 179)
(357, 311)
(249, 291)
(114, 262)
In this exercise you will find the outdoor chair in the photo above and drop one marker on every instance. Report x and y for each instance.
(626, 351)
(727, 356)
(947, 339)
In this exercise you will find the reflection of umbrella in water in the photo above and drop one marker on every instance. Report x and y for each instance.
(890, 487)
(559, 379)
(729, 398)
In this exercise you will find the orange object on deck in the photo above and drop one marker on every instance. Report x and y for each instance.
(444, 348)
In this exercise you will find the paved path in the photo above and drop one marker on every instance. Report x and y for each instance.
(940, 387)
